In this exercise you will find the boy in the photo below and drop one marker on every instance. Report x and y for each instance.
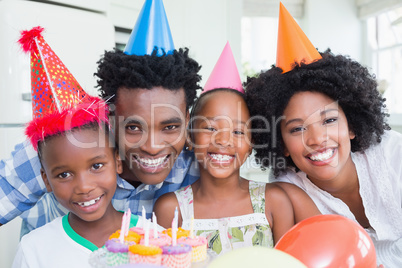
(79, 163)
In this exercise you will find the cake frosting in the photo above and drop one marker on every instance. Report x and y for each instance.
(199, 247)
(138, 230)
(161, 240)
(178, 256)
(131, 237)
(145, 254)
(180, 232)
(114, 245)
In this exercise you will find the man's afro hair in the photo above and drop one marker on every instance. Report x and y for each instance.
(171, 71)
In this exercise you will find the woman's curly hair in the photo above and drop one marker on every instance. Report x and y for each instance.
(337, 76)
(171, 71)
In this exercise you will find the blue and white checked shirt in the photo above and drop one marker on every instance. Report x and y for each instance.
(23, 192)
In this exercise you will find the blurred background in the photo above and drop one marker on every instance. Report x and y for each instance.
(369, 31)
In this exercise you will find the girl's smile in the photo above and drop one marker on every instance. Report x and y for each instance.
(221, 134)
(316, 136)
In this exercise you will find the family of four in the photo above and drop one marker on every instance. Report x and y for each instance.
(331, 152)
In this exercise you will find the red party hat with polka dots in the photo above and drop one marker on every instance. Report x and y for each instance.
(58, 101)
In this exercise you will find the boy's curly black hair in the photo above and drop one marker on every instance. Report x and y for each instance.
(337, 76)
(171, 71)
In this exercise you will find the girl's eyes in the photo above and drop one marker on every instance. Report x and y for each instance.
(236, 132)
(63, 175)
(97, 166)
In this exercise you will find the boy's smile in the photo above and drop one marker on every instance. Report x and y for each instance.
(151, 125)
(82, 179)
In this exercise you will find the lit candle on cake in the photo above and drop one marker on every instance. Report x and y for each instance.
(146, 235)
(125, 225)
(155, 225)
(174, 228)
(144, 217)
(192, 227)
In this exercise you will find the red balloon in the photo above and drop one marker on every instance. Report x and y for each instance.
(329, 241)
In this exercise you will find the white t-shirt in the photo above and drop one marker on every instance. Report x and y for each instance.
(56, 244)
(379, 171)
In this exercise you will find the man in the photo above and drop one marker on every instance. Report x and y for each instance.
(152, 93)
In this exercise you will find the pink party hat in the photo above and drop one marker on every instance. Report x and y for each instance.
(225, 73)
(58, 101)
(293, 44)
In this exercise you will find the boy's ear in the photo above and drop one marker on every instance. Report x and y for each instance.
(45, 180)
(119, 163)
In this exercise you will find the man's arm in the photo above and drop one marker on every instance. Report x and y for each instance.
(21, 184)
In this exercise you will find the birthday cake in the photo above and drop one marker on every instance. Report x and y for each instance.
(198, 245)
(178, 256)
(172, 248)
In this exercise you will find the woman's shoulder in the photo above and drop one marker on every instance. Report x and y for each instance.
(389, 149)
(391, 139)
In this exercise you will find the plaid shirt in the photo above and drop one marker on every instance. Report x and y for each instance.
(23, 192)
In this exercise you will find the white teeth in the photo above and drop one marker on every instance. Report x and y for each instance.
(322, 156)
(152, 162)
(88, 203)
(221, 157)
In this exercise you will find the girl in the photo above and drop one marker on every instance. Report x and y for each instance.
(337, 145)
(230, 211)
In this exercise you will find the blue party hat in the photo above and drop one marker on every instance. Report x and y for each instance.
(151, 30)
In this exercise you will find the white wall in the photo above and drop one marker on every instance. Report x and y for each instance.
(202, 26)
(333, 24)
(327, 23)
(205, 27)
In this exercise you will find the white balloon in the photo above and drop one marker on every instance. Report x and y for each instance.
(256, 257)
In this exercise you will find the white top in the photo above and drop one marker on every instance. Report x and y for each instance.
(56, 244)
(379, 171)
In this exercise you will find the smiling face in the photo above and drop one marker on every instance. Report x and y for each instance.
(316, 136)
(151, 125)
(82, 179)
(221, 134)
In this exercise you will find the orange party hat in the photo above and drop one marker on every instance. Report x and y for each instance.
(293, 45)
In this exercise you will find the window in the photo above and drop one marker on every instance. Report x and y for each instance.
(384, 33)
